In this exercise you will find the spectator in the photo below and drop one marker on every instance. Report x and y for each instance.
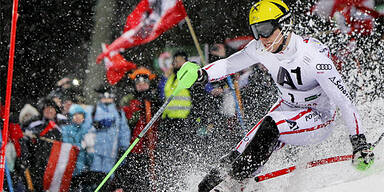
(165, 64)
(47, 124)
(65, 92)
(36, 150)
(13, 149)
(180, 107)
(74, 133)
(227, 127)
(225, 102)
(67, 99)
(112, 134)
(180, 122)
(139, 168)
(27, 115)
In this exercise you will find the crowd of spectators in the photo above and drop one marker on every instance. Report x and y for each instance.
(96, 135)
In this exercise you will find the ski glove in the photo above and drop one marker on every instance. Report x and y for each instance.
(202, 76)
(363, 156)
(190, 73)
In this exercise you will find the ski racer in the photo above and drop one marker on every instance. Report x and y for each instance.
(310, 90)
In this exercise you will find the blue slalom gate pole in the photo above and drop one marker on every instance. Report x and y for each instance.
(9, 180)
(8, 175)
(237, 107)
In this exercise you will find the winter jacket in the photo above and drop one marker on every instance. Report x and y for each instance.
(112, 133)
(180, 106)
(74, 134)
(38, 151)
(135, 112)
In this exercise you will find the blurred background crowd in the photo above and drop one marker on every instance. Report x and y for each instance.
(198, 126)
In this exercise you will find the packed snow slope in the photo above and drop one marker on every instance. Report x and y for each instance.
(336, 177)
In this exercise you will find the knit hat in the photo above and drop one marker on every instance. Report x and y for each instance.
(142, 72)
(27, 113)
(75, 108)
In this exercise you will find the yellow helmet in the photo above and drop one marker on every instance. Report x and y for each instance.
(268, 15)
(265, 10)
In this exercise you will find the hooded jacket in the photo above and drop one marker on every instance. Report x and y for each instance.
(74, 133)
(111, 138)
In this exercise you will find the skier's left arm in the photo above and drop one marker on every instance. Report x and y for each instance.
(331, 82)
(333, 85)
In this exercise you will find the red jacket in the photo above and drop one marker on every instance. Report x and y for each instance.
(137, 118)
(14, 131)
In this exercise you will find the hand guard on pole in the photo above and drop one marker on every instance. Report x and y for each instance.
(363, 156)
(191, 73)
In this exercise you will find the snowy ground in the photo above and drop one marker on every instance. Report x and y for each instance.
(372, 183)
(337, 177)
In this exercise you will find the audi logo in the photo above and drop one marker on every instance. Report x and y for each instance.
(323, 66)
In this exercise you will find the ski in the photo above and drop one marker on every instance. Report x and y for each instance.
(311, 164)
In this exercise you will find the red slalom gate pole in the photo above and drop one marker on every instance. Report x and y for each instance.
(8, 92)
(309, 165)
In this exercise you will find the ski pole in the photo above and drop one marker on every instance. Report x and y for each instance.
(378, 140)
(186, 77)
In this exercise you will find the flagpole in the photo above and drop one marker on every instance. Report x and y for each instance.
(8, 92)
(195, 40)
(238, 95)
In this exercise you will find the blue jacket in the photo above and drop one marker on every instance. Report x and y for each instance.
(112, 134)
(73, 133)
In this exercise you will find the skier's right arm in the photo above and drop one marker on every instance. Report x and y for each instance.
(238, 61)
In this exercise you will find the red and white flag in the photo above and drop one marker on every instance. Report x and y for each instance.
(150, 19)
(352, 16)
(60, 166)
(116, 66)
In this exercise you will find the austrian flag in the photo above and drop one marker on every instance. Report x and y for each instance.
(61, 164)
(150, 19)
(116, 66)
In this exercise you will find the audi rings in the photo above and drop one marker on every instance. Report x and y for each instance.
(323, 66)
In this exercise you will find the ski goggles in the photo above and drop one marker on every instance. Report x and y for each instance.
(142, 78)
(263, 29)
